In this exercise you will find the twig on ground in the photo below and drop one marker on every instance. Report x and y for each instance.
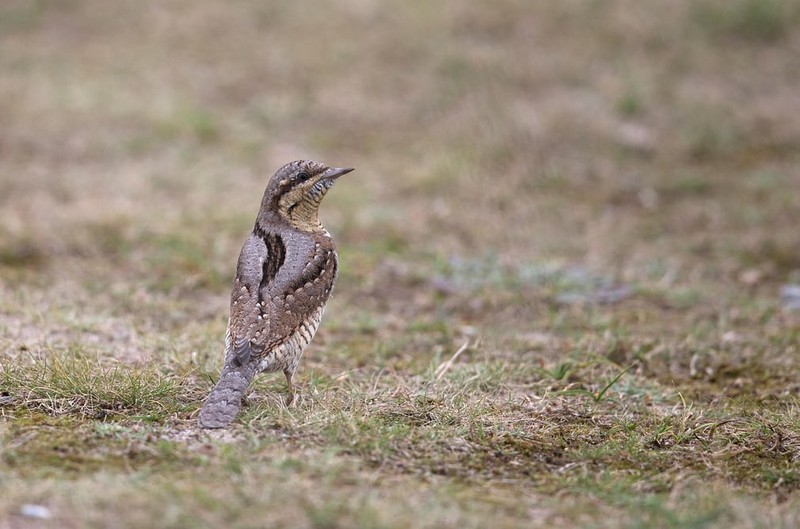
(445, 366)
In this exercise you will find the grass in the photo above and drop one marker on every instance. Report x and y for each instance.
(561, 256)
(767, 21)
(79, 385)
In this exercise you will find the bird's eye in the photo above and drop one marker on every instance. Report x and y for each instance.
(302, 175)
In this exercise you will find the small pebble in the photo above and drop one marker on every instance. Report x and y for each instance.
(35, 511)
(790, 297)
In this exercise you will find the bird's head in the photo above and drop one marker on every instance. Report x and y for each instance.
(295, 193)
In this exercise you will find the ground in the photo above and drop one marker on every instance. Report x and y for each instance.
(561, 255)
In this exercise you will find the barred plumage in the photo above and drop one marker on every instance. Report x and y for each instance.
(284, 277)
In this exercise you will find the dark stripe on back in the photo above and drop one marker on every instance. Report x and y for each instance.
(276, 254)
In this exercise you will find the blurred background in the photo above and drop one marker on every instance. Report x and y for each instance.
(506, 153)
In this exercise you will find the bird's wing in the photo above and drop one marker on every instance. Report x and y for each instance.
(247, 320)
(296, 297)
(272, 295)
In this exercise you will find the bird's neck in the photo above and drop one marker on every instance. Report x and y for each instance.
(297, 219)
(304, 217)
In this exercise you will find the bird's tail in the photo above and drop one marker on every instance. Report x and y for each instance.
(224, 400)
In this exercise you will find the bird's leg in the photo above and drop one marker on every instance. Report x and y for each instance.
(289, 375)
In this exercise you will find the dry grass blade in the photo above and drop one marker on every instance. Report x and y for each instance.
(445, 366)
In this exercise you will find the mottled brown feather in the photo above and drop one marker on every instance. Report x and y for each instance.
(284, 276)
(264, 318)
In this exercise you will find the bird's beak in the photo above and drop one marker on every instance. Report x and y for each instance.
(332, 173)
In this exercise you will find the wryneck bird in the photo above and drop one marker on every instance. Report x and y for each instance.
(284, 277)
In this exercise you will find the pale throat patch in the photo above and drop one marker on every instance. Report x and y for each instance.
(300, 209)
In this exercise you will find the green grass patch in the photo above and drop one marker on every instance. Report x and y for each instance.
(78, 385)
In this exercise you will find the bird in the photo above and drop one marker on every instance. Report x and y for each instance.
(285, 274)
